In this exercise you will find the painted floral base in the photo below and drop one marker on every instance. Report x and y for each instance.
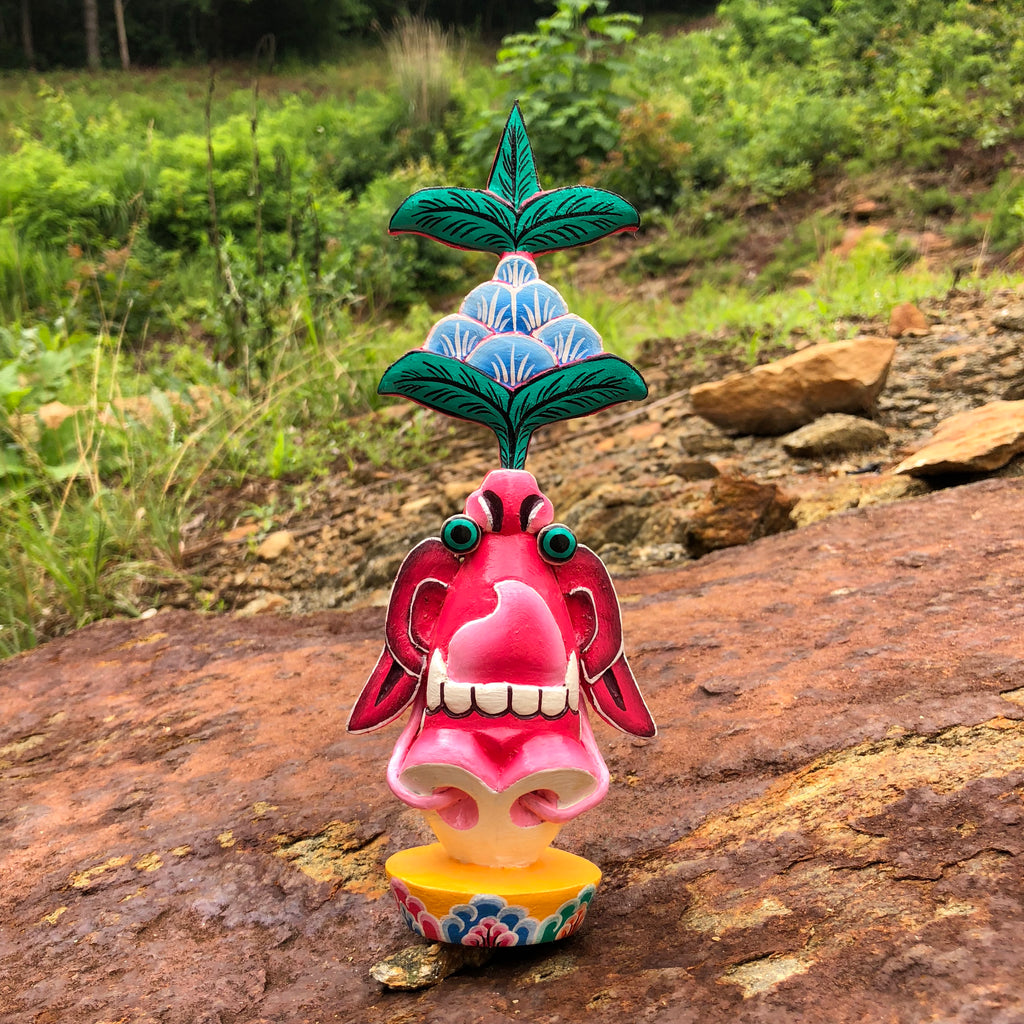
(435, 903)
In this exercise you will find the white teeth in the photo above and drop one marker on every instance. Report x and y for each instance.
(501, 698)
(525, 700)
(553, 700)
(458, 697)
(572, 682)
(493, 699)
(437, 676)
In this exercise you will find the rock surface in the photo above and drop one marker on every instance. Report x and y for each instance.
(839, 376)
(353, 527)
(977, 441)
(827, 828)
(834, 434)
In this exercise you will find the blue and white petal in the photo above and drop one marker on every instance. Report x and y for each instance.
(516, 270)
(570, 337)
(535, 304)
(456, 336)
(491, 303)
(511, 359)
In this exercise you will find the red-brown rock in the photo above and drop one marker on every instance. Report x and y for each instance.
(840, 376)
(906, 318)
(977, 441)
(828, 827)
(737, 510)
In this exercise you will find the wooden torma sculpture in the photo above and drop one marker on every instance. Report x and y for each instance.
(501, 631)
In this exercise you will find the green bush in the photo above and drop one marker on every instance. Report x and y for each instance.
(651, 164)
(563, 75)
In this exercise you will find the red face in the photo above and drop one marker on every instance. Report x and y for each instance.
(493, 632)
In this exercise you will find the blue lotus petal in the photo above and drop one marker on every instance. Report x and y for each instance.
(456, 336)
(535, 304)
(516, 270)
(511, 358)
(491, 303)
(570, 337)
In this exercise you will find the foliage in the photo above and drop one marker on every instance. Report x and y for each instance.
(169, 32)
(255, 337)
(808, 243)
(650, 164)
(425, 63)
(563, 75)
(782, 94)
(93, 508)
(685, 240)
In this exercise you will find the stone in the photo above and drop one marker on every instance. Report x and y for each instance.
(1011, 317)
(906, 318)
(841, 376)
(264, 603)
(275, 544)
(827, 828)
(239, 533)
(863, 207)
(829, 501)
(53, 414)
(692, 469)
(611, 514)
(977, 441)
(422, 966)
(834, 434)
(858, 491)
(737, 510)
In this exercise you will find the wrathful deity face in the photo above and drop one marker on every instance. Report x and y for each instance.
(495, 630)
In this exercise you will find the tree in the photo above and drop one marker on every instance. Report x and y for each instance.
(26, 34)
(122, 35)
(91, 15)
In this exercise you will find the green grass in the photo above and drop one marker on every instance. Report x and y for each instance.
(842, 294)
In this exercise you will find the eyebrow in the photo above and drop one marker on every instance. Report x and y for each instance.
(495, 510)
(528, 509)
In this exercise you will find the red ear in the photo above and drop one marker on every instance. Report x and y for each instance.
(593, 610)
(597, 623)
(617, 699)
(416, 599)
(387, 693)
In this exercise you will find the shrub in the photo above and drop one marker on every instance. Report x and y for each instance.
(651, 163)
(563, 75)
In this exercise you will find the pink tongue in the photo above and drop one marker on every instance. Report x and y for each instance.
(519, 642)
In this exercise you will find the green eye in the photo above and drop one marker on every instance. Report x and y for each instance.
(460, 534)
(557, 543)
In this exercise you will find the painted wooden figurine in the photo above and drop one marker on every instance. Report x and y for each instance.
(502, 631)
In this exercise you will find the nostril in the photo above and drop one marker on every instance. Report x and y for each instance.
(534, 807)
(459, 811)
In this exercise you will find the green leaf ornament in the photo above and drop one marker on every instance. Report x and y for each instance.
(462, 218)
(449, 386)
(512, 214)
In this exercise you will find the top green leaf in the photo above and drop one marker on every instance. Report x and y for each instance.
(514, 172)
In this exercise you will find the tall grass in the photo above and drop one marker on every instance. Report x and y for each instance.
(96, 523)
(426, 63)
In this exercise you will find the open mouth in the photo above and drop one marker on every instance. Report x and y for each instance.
(500, 698)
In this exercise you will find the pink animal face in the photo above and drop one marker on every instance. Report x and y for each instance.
(493, 632)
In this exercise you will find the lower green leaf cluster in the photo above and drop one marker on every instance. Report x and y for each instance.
(451, 387)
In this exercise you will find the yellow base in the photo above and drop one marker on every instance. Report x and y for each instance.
(468, 904)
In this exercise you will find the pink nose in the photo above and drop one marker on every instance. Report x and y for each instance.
(520, 640)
